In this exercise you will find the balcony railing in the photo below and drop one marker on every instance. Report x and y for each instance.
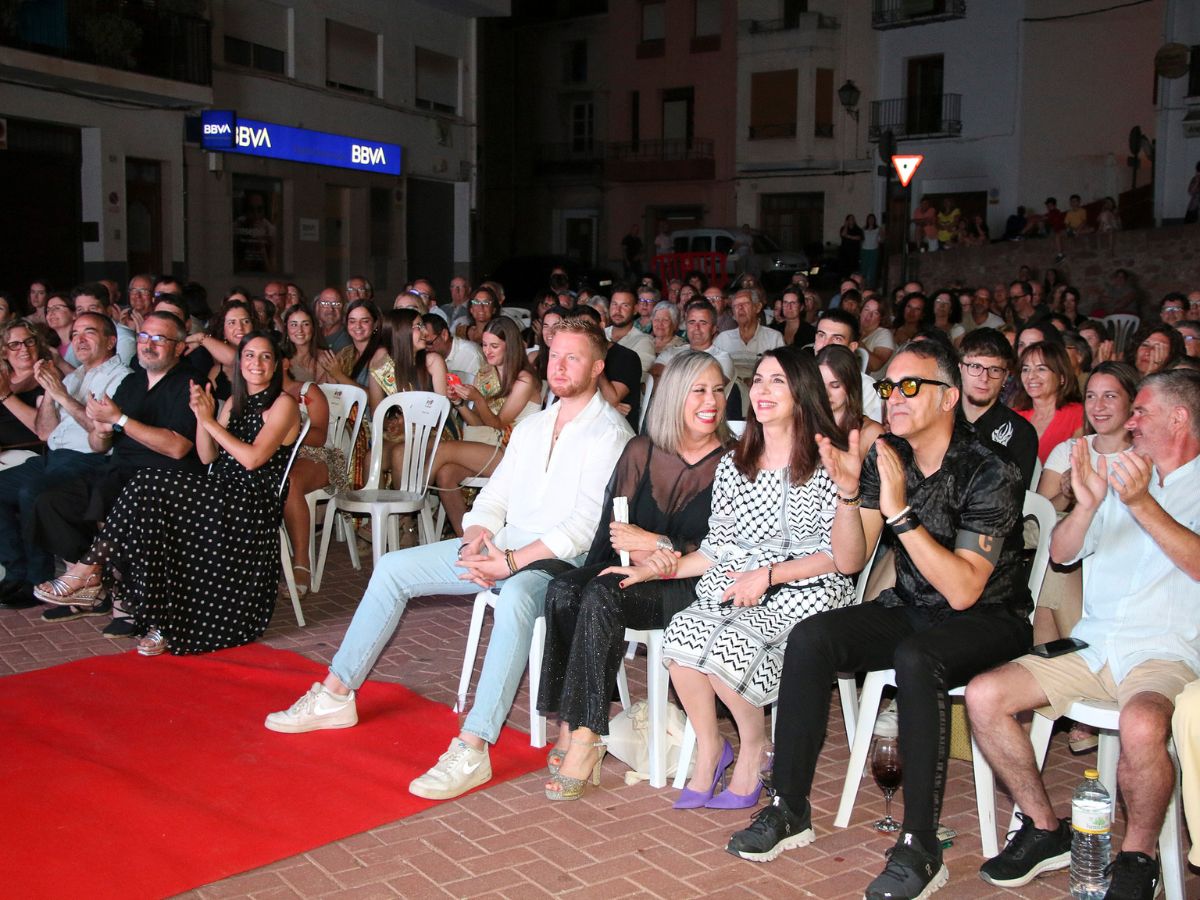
(660, 160)
(803, 20)
(777, 130)
(568, 157)
(902, 13)
(935, 115)
(128, 36)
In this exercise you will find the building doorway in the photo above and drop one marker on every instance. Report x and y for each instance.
(143, 215)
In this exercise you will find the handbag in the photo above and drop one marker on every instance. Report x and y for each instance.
(629, 740)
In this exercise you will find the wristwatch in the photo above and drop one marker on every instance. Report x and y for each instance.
(664, 543)
(119, 425)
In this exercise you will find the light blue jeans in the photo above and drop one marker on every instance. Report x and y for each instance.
(432, 569)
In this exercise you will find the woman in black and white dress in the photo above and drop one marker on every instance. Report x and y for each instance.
(769, 561)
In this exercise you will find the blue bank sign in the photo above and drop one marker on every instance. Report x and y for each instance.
(222, 130)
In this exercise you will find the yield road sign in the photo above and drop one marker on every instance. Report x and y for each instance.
(906, 167)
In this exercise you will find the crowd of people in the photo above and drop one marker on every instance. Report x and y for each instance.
(915, 420)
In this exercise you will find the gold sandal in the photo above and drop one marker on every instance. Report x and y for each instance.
(58, 592)
(572, 788)
(554, 759)
(153, 644)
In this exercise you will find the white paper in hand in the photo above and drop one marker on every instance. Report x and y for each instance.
(621, 514)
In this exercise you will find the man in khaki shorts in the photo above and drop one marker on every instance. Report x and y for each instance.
(1134, 524)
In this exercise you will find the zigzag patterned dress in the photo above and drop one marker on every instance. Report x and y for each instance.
(753, 524)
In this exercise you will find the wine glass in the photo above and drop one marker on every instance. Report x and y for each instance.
(766, 768)
(885, 766)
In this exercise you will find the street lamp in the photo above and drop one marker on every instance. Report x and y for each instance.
(848, 95)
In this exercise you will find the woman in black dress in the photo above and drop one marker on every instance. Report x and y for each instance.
(667, 476)
(195, 558)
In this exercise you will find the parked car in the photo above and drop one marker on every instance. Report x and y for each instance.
(767, 261)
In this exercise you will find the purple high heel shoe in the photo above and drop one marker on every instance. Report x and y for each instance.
(727, 799)
(689, 799)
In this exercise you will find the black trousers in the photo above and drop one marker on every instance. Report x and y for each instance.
(66, 515)
(930, 656)
(586, 618)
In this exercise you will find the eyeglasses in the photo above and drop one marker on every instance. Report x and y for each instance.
(145, 337)
(356, 290)
(158, 295)
(909, 387)
(993, 372)
(481, 302)
(1177, 309)
(29, 343)
(63, 308)
(145, 292)
(329, 304)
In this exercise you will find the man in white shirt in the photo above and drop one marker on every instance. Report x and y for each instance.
(463, 357)
(62, 421)
(700, 321)
(750, 339)
(836, 326)
(90, 298)
(542, 502)
(980, 314)
(621, 310)
(1134, 525)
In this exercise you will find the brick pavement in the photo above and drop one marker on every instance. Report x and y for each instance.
(509, 842)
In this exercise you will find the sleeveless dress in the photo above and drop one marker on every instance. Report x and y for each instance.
(197, 556)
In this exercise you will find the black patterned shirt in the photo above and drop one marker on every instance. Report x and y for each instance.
(974, 495)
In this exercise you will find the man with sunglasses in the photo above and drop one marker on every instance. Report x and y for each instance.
(959, 606)
(146, 423)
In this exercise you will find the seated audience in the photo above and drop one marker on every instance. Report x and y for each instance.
(620, 330)
(664, 324)
(1154, 348)
(844, 389)
(959, 606)
(666, 477)
(947, 316)
(749, 340)
(543, 500)
(484, 306)
(1142, 506)
(462, 357)
(352, 365)
(836, 326)
(60, 313)
(791, 324)
(1048, 396)
(912, 314)
(21, 346)
(307, 344)
(506, 392)
(874, 336)
(233, 321)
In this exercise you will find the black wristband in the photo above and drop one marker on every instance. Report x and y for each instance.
(908, 523)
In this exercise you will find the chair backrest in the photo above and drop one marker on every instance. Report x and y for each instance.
(864, 358)
(1041, 509)
(424, 416)
(1122, 326)
(518, 314)
(647, 393)
(1037, 475)
(304, 426)
(347, 408)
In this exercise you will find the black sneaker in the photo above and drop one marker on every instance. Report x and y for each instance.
(910, 874)
(17, 595)
(773, 829)
(1030, 852)
(1134, 876)
(67, 613)
(120, 628)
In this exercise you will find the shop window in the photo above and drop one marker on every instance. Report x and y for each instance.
(437, 81)
(351, 58)
(773, 104)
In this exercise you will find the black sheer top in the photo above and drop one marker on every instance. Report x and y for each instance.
(666, 496)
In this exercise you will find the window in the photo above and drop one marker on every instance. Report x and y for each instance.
(708, 17)
(796, 220)
(678, 115)
(575, 62)
(437, 81)
(350, 58)
(635, 119)
(1193, 72)
(256, 35)
(791, 12)
(923, 110)
(583, 118)
(773, 104)
(823, 103)
(654, 20)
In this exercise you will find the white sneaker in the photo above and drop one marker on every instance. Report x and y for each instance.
(317, 709)
(459, 769)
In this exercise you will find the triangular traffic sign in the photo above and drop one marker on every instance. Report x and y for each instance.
(906, 167)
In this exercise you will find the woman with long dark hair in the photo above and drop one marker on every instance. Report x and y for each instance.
(352, 365)
(769, 560)
(307, 343)
(843, 386)
(233, 321)
(505, 392)
(195, 558)
(1048, 395)
(666, 478)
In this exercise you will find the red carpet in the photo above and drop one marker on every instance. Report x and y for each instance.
(132, 777)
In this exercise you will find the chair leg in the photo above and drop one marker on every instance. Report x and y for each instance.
(985, 801)
(623, 687)
(868, 709)
(656, 689)
(378, 536)
(472, 649)
(537, 644)
(1106, 761)
(1170, 842)
(326, 532)
(848, 691)
(686, 748)
(285, 558)
(351, 539)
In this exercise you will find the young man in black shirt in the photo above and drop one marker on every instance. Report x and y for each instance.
(987, 359)
(959, 606)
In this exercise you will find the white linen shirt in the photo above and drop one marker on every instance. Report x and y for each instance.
(81, 384)
(724, 360)
(464, 358)
(553, 491)
(1137, 604)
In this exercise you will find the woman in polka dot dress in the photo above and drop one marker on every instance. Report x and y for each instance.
(195, 558)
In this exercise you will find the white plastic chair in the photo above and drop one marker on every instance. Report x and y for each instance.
(537, 643)
(518, 314)
(1039, 508)
(864, 358)
(647, 393)
(424, 416)
(345, 401)
(285, 553)
(439, 521)
(1105, 717)
(657, 683)
(1122, 326)
(738, 427)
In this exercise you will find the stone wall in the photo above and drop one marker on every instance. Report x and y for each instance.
(1160, 260)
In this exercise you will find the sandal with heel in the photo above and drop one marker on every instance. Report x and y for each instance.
(59, 591)
(302, 587)
(554, 759)
(153, 644)
(572, 788)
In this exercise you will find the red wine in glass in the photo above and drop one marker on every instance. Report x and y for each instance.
(887, 771)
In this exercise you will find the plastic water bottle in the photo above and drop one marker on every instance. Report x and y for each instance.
(1091, 838)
